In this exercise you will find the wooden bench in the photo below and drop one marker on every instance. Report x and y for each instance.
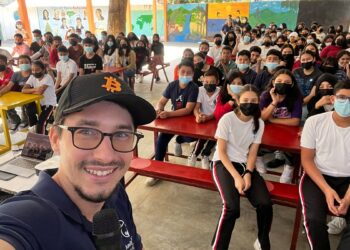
(157, 69)
(281, 193)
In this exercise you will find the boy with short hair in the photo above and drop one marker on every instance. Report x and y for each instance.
(225, 65)
(90, 62)
(243, 66)
(215, 51)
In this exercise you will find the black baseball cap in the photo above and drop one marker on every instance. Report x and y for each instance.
(85, 90)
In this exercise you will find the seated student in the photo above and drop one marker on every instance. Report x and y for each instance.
(109, 51)
(287, 52)
(243, 44)
(281, 41)
(98, 51)
(234, 171)
(324, 185)
(200, 67)
(225, 64)
(281, 103)
(230, 39)
(255, 58)
(53, 53)
(186, 54)
(332, 50)
(343, 58)
(142, 58)
(183, 95)
(90, 62)
(126, 57)
(16, 83)
(203, 112)
(266, 46)
(312, 47)
(20, 48)
(243, 66)
(157, 48)
(321, 102)
(214, 52)
(43, 53)
(228, 97)
(66, 70)
(75, 49)
(330, 66)
(306, 77)
(204, 48)
(42, 84)
(272, 64)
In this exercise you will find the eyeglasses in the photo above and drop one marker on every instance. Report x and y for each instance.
(342, 98)
(90, 138)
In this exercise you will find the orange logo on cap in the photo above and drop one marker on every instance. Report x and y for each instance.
(112, 85)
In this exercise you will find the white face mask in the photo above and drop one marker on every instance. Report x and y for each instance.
(328, 107)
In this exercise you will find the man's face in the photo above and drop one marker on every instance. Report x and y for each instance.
(272, 59)
(225, 55)
(254, 56)
(203, 48)
(92, 175)
(18, 40)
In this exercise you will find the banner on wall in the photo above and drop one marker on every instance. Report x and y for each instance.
(187, 22)
(218, 12)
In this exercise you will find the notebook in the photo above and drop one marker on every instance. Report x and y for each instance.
(37, 148)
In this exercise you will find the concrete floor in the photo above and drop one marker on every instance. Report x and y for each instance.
(174, 216)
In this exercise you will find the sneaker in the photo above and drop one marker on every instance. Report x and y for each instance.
(336, 225)
(177, 149)
(260, 165)
(257, 245)
(287, 174)
(205, 162)
(191, 161)
(278, 161)
(141, 78)
(151, 181)
(14, 126)
(157, 79)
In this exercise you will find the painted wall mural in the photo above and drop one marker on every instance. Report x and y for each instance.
(142, 20)
(187, 22)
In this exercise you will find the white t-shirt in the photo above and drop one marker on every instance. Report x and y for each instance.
(238, 136)
(207, 102)
(331, 144)
(49, 93)
(215, 52)
(66, 68)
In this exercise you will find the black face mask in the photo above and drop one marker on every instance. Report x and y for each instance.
(124, 46)
(231, 38)
(2, 68)
(348, 41)
(282, 88)
(249, 109)
(289, 59)
(218, 42)
(38, 75)
(340, 42)
(325, 92)
(329, 69)
(19, 43)
(280, 45)
(73, 42)
(210, 87)
(267, 44)
(307, 65)
(199, 65)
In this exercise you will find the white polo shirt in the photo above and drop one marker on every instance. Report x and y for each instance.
(331, 144)
(67, 68)
(207, 102)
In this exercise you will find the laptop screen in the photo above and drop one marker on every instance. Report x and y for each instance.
(37, 146)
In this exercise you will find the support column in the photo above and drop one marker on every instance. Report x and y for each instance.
(23, 15)
(128, 17)
(154, 16)
(90, 16)
(165, 14)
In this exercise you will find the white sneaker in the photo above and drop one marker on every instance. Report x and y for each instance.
(177, 149)
(191, 161)
(151, 181)
(336, 225)
(205, 162)
(32, 129)
(287, 174)
(141, 78)
(257, 245)
(260, 165)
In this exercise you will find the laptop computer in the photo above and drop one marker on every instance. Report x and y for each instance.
(37, 148)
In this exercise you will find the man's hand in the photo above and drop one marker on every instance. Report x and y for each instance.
(247, 181)
(332, 196)
(164, 115)
(240, 184)
(343, 207)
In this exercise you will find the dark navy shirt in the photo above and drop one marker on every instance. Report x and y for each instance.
(179, 97)
(45, 218)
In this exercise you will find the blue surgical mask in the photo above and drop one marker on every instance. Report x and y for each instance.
(64, 58)
(185, 79)
(88, 49)
(246, 39)
(25, 67)
(110, 43)
(37, 38)
(342, 108)
(271, 66)
(236, 89)
(242, 66)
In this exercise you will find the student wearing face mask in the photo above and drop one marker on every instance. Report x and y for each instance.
(42, 84)
(272, 64)
(306, 77)
(109, 51)
(320, 35)
(243, 66)
(142, 58)
(243, 43)
(204, 111)
(228, 97)
(187, 54)
(53, 52)
(312, 47)
(215, 51)
(288, 56)
(266, 46)
(230, 39)
(281, 104)
(204, 48)
(324, 185)
(20, 47)
(201, 67)
(183, 95)
(43, 53)
(321, 102)
(75, 50)
(157, 48)
(330, 65)
(90, 62)
(281, 41)
(66, 70)
(333, 50)
(238, 137)
(126, 58)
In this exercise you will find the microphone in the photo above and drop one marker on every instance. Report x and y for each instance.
(106, 230)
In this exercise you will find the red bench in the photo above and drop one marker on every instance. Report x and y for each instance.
(282, 194)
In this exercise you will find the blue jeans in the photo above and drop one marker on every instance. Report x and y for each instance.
(128, 73)
(163, 141)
